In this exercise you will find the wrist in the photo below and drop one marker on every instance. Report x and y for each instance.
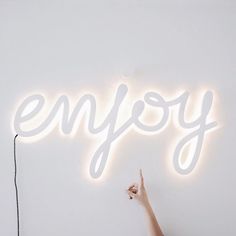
(148, 207)
(146, 204)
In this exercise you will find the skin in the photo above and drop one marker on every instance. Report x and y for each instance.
(138, 192)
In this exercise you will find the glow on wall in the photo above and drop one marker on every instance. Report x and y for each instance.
(32, 121)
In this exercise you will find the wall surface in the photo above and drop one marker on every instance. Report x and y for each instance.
(72, 47)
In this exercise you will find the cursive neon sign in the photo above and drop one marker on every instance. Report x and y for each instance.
(32, 106)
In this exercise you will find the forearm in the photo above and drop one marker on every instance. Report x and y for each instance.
(155, 229)
(141, 195)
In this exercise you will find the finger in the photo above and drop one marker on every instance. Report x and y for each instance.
(134, 185)
(141, 177)
(132, 191)
(131, 194)
(128, 192)
(131, 186)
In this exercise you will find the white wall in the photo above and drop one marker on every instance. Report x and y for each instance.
(72, 46)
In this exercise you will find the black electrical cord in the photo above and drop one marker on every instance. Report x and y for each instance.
(16, 189)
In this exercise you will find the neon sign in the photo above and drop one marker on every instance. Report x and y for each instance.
(32, 108)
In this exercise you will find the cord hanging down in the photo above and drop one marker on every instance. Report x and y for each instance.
(16, 189)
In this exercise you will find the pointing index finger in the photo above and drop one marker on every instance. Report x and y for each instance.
(141, 177)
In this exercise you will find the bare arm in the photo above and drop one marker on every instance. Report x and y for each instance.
(139, 193)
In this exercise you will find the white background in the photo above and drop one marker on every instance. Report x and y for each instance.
(75, 46)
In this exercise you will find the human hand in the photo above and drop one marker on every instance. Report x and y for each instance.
(138, 191)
